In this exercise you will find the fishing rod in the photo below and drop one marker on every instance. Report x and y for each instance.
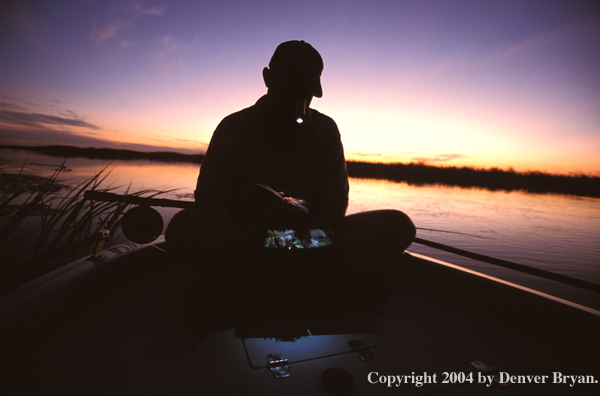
(171, 203)
(135, 200)
(513, 266)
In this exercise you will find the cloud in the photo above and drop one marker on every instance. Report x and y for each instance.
(188, 142)
(35, 120)
(140, 8)
(52, 137)
(438, 158)
(525, 46)
(110, 29)
(580, 33)
(121, 18)
(171, 44)
(124, 44)
(12, 106)
(26, 128)
(573, 32)
(364, 154)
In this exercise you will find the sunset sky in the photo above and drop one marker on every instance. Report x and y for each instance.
(476, 83)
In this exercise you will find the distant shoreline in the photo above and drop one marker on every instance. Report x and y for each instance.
(412, 173)
(109, 154)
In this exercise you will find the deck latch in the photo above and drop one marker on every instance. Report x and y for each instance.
(101, 237)
(278, 365)
(485, 369)
(361, 350)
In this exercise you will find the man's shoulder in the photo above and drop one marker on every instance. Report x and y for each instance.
(239, 116)
(317, 115)
(233, 126)
(323, 122)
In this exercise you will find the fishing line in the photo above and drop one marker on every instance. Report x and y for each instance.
(452, 232)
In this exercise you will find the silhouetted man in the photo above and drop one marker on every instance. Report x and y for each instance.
(280, 165)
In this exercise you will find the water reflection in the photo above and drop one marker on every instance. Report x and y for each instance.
(553, 232)
(524, 227)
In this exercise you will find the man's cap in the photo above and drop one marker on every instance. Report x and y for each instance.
(299, 60)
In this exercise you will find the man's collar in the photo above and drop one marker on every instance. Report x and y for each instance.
(262, 110)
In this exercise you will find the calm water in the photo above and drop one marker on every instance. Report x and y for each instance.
(553, 232)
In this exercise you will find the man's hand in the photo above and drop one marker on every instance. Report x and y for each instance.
(264, 204)
(260, 194)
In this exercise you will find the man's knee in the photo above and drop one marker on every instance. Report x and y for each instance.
(403, 223)
(384, 219)
(379, 229)
(398, 227)
(406, 229)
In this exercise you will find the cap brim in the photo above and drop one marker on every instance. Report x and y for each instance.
(317, 89)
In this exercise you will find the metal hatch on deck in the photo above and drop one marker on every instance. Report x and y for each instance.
(300, 336)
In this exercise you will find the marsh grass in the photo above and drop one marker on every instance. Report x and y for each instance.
(41, 214)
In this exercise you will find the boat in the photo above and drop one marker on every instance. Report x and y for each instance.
(113, 323)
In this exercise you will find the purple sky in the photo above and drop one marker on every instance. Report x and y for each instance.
(477, 83)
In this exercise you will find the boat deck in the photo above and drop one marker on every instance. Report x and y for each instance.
(119, 329)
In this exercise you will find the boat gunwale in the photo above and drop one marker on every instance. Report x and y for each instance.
(507, 283)
(50, 282)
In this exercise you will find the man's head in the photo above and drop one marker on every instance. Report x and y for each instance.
(295, 70)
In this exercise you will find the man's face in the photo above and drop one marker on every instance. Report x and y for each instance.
(296, 77)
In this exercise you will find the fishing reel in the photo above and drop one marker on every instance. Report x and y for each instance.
(142, 224)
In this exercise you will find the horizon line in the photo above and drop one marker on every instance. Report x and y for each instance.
(181, 155)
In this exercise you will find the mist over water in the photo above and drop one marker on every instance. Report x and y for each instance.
(557, 233)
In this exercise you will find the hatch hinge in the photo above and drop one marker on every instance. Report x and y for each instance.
(278, 365)
(361, 350)
(489, 371)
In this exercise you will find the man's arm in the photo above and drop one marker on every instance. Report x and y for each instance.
(327, 213)
(330, 208)
(215, 179)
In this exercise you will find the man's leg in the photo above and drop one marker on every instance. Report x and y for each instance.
(380, 234)
(203, 238)
(374, 240)
(211, 239)
(196, 233)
